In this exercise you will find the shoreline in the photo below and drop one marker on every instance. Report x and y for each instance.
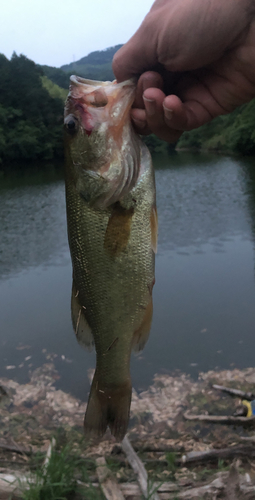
(31, 414)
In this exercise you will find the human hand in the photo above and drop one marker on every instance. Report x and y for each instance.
(195, 59)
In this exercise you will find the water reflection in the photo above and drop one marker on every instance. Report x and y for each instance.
(204, 298)
(32, 221)
(200, 198)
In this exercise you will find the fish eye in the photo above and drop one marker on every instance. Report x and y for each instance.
(71, 123)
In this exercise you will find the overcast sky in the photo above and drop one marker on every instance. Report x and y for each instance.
(56, 32)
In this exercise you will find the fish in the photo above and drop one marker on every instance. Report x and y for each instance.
(112, 234)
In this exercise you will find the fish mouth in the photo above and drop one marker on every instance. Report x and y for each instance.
(94, 102)
(78, 80)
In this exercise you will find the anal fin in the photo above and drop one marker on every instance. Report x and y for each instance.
(80, 325)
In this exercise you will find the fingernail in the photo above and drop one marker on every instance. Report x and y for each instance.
(138, 123)
(168, 113)
(150, 106)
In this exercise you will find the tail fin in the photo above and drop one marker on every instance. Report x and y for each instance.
(108, 407)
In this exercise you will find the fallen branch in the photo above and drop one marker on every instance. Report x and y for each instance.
(144, 446)
(138, 468)
(49, 453)
(223, 453)
(15, 449)
(235, 392)
(108, 482)
(221, 419)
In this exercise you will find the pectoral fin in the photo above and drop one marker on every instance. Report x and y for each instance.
(118, 230)
(141, 335)
(80, 325)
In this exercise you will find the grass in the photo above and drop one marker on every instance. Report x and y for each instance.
(171, 460)
(58, 481)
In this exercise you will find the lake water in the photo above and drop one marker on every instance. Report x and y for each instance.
(204, 297)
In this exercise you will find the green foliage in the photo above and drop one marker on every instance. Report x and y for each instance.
(154, 144)
(31, 119)
(232, 133)
(171, 460)
(96, 66)
(57, 481)
(54, 89)
(56, 75)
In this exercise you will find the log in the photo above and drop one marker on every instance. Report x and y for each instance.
(108, 482)
(234, 392)
(221, 419)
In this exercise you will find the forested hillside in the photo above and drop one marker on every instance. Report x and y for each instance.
(56, 75)
(31, 111)
(234, 133)
(30, 118)
(96, 66)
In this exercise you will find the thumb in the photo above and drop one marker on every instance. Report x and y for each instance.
(136, 56)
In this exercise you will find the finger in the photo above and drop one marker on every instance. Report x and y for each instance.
(185, 116)
(139, 120)
(147, 80)
(153, 100)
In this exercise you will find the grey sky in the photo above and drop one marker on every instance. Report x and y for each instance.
(55, 32)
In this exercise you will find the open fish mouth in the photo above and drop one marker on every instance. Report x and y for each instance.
(76, 80)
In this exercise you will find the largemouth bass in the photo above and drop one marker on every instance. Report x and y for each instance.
(112, 232)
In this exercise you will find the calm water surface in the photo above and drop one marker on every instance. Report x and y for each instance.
(204, 297)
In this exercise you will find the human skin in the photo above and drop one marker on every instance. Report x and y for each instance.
(195, 60)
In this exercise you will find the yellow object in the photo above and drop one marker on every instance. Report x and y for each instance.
(249, 407)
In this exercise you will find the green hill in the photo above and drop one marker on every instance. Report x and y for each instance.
(56, 75)
(31, 119)
(95, 66)
(233, 133)
(54, 90)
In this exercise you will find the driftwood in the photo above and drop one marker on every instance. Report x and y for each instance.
(49, 453)
(108, 482)
(223, 453)
(138, 468)
(221, 419)
(234, 392)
